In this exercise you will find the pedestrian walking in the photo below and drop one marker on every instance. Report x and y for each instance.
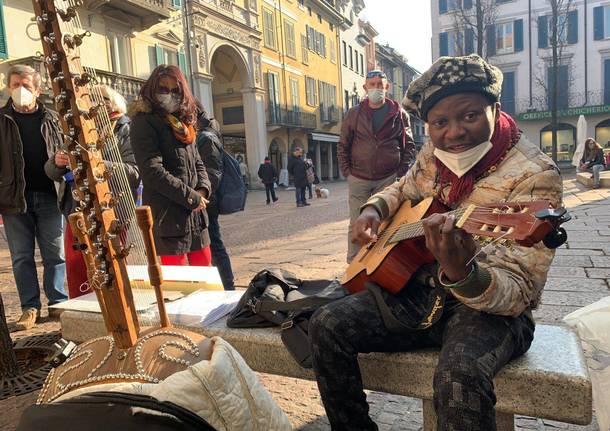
(376, 146)
(593, 161)
(298, 169)
(209, 144)
(176, 185)
(311, 174)
(58, 169)
(243, 168)
(30, 134)
(268, 175)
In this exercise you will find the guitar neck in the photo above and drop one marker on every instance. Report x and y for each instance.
(416, 229)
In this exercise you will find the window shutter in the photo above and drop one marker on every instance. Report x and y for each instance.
(518, 29)
(607, 82)
(573, 26)
(467, 4)
(460, 43)
(564, 90)
(443, 44)
(598, 23)
(469, 43)
(491, 40)
(159, 52)
(182, 62)
(3, 45)
(508, 93)
(442, 6)
(543, 32)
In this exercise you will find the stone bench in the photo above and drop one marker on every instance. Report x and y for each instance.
(586, 179)
(550, 381)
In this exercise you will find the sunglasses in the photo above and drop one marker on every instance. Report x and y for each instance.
(375, 74)
(175, 91)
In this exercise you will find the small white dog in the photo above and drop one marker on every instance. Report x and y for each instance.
(322, 193)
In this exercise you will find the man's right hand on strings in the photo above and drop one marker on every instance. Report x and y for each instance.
(366, 226)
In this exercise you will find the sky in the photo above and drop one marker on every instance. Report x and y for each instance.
(405, 25)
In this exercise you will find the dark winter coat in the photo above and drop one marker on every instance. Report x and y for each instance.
(370, 156)
(598, 159)
(267, 173)
(171, 175)
(210, 151)
(298, 169)
(121, 132)
(12, 177)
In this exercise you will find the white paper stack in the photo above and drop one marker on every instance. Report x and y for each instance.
(203, 308)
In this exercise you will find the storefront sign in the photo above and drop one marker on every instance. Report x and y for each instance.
(571, 112)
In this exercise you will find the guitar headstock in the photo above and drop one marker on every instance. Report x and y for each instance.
(525, 223)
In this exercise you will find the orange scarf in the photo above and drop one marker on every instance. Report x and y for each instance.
(184, 133)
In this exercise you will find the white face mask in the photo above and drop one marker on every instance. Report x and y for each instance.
(460, 163)
(22, 97)
(169, 102)
(376, 95)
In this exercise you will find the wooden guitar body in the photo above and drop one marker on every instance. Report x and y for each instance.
(391, 265)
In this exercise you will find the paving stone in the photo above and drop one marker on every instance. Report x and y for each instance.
(598, 272)
(566, 271)
(593, 245)
(577, 252)
(600, 261)
(552, 314)
(575, 285)
(574, 260)
(572, 298)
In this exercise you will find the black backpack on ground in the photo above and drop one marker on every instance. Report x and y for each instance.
(276, 297)
(231, 193)
(101, 411)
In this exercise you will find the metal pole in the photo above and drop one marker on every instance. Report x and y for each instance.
(187, 44)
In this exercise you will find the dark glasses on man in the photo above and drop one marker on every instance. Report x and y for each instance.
(376, 74)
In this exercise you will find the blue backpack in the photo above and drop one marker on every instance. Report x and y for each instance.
(231, 193)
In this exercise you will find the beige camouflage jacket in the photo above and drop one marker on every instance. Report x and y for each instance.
(518, 274)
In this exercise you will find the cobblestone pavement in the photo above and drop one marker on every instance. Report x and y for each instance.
(311, 242)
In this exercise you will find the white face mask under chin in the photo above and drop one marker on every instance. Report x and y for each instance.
(460, 163)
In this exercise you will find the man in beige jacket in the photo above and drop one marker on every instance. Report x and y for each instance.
(477, 156)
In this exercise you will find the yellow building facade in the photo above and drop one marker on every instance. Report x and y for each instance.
(301, 71)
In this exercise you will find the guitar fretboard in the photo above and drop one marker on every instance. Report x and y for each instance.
(416, 229)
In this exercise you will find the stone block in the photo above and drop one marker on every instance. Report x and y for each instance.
(600, 261)
(572, 298)
(552, 314)
(566, 271)
(576, 252)
(573, 260)
(598, 272)
(575, 285)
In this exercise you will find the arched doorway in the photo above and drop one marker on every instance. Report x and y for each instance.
(275, 154)
(566, 141)
(602, 133)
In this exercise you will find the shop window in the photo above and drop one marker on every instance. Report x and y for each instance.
(566, 141)
(602, 133)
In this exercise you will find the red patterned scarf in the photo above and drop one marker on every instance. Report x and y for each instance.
(505, 136)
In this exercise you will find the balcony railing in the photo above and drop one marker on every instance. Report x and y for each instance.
(231, 10)
(127, 86)
(330, 114)
(278, 116)
(153, 10)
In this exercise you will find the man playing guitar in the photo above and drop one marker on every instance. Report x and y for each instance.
(477, 155)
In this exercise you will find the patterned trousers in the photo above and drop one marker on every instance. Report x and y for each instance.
(474, 347)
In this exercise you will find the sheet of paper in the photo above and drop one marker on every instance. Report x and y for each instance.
(182, 278)
(203, 308)
(143, 298)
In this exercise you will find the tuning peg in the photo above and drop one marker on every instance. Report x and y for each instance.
(74, 41)
(49, 38)
(94, 110)
(125, 251)
(84, 79)
(43, 18)
(70, 12)
(61, 97)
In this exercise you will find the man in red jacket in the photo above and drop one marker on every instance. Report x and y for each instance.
(376, 147)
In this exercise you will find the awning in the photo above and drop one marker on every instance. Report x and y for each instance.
(325, 137)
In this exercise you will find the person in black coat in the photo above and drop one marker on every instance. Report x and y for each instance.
(176, 185)
(298, 169)
(268, 175)
(209, 144)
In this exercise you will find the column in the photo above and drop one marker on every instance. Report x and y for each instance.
(256, 129)
(318, 160)
(330, 161)
(203, 92)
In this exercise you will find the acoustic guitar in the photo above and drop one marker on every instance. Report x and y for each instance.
(400, 249)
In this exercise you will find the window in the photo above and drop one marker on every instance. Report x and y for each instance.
(294, 95)
(176, 4)
(120, 59)
(273, 87)
(233, 115)
(328, 100)
(351, 57)
(563, 83)
(505, 41)
(566, 138)
(291, 48)
(333, 52)
(320, 18)
(606, 82)
(269, 29)
(302, 4)
(331, 26)
(304, 51)
(607, 22)
(567, 29)
(602, 133)
(357, 68)
(507, 98)
(316, 41)
(445, 6)
(450, 43)
(344, 54)
(361, 64)
(310, 91)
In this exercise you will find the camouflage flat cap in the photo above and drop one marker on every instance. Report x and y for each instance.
(452, 75)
